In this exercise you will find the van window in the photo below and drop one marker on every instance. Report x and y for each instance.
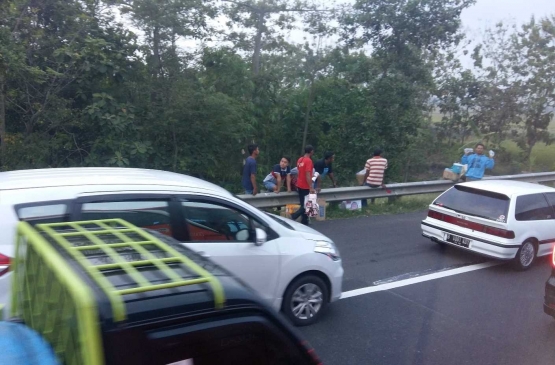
(532, 207)
(150, 214)
(475, 202)
(550, 199)
(39, 214)
(207, 221)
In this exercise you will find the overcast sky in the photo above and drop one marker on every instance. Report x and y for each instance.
(483, 14)
(488, 12)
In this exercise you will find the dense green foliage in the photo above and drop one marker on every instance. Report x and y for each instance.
(110, 83)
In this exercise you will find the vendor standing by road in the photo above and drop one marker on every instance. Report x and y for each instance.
(324, 167)
(305, 167)
(477, 162)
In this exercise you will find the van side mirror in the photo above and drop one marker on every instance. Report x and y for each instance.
(261, 237)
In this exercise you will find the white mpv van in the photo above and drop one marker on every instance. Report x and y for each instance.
(293, 267)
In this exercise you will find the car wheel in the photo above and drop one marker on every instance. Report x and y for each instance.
(305, 300)
(525, 256)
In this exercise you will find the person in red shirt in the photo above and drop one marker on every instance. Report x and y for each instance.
(305, 168)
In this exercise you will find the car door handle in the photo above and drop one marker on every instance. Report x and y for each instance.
(203, 254)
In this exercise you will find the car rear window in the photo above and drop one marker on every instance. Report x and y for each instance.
(475, 202)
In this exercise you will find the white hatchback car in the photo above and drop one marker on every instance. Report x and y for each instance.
(496, 218)
(293, 267)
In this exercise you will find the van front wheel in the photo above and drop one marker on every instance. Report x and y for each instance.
(305, 300)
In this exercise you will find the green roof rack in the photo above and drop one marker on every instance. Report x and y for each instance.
(76, 238)
(55, 300)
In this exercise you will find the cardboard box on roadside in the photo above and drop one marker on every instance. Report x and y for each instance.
(322, 209)
(351, 205)
(449, 174)
(360, 176)
(290, 209)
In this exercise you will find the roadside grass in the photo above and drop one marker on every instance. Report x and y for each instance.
(403, 204)
(542, 157)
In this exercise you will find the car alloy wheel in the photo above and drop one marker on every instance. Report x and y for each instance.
(525, 256)
(305, 299)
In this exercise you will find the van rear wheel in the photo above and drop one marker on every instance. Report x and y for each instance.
(525, 256)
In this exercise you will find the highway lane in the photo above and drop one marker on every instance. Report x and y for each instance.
(488, 316)
(382, 247)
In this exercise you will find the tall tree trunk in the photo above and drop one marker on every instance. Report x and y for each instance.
(257, 44)
(2, 119)
(156, 51)
(307, 113)
(175, 146)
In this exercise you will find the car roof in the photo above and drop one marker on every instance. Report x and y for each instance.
(508, 187)
(57, 177)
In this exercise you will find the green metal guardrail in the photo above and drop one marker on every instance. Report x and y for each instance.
(270, 199)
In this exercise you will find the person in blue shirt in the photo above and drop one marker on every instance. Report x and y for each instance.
(477, 163)
(324, 167)
(249, 171)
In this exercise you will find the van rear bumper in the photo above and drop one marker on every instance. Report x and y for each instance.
(483, 247)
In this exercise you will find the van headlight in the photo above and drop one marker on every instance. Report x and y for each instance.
(328, 249)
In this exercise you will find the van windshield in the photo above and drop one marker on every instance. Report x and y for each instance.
(475, 202)
(280, 221)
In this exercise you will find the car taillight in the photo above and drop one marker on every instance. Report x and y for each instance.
(435, 215)
(5, 263)
(553, 258)
(499, 232)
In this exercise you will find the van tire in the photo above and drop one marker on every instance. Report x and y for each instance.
(310, 289)
(526, 255)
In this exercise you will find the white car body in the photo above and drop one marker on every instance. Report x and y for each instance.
(513, 228)
(268, 268)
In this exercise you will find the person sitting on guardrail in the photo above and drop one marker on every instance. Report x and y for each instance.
(280, 173)
(323, 167)
(375, 170)
(477, 162)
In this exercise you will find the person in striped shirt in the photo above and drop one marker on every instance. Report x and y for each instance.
(375, 169)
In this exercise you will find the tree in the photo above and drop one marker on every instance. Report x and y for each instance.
(400, 30)
(164, 21)
(56, 49)
(265, 18)
(534, 64)
(498, 110)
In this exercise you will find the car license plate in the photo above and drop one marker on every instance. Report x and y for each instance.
(459, 241)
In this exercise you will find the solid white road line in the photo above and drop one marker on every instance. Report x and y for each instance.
(419, 279)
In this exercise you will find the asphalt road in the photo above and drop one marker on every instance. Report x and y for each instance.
(488, 316)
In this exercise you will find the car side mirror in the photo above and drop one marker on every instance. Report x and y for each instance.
(261, 237)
